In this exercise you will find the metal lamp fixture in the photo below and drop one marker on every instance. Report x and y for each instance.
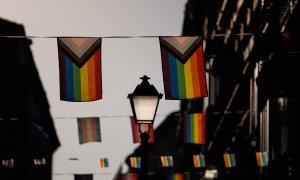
(144, 102)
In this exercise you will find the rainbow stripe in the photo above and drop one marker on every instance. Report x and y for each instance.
(229, 160)
(262, 159)
(89, 129)
(183, 78)
(129, 176)
(135, 162)
(199, 160)
(136, 132)
(8, 163)
(103, 162)
(39, 162)
(80, 80)
(176, 176)
(194, 128)
(167, 161)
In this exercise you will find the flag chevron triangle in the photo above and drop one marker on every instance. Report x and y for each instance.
(79, 49)
(181, 47)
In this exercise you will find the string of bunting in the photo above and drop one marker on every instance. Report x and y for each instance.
(107, 173)
(80, 71)
(193, 124)
(199, 160)
(9, 163)
(138, 36)
(126, 116)
(69, 92)
(54, 37)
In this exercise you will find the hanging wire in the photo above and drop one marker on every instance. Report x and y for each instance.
(50, 37)
(125, 116)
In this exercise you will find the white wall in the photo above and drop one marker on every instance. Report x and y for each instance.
(124, 60)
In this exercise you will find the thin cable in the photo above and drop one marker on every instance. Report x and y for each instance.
(123, 116)
(50, 37)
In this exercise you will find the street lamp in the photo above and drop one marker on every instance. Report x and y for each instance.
(144, 102)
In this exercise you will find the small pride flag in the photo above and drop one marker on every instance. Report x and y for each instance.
(199, 160)
(229, 160)
(136, 132)
(103, 162)
(83, 176)
(129, 176)
(89, 129)
(194, 128)
(39, 162)
(176, 176)
(8, 163)
(135, 162)
(262, 159)
(167, 161)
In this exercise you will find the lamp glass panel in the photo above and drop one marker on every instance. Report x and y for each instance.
(145, 107)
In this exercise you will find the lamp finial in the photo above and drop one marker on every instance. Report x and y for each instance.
(145, 78)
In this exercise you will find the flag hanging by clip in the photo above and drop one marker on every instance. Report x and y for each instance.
(167, 161)
(39, 162)
(83, 177)
(262, 159)
(183, 67)
(89, 129)
(135, 162)
(80, 68)
(136, 133)
(194, 128)
(103, 162)
(199, 160)
(9, 163)
(229, 160)
(175, 176)
(129, 176)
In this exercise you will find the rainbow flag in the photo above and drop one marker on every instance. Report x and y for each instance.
(167, 161)
(135, 162)
(136, 134)
(83, 176)
(262, 159)
(229, 160)
(8, 163)
(183, 67)
(39, 162)
(176, 176)
(89, 129)
(194, 128)
(103, 162)
(199, 160)
(129, 176)
(80, 68)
